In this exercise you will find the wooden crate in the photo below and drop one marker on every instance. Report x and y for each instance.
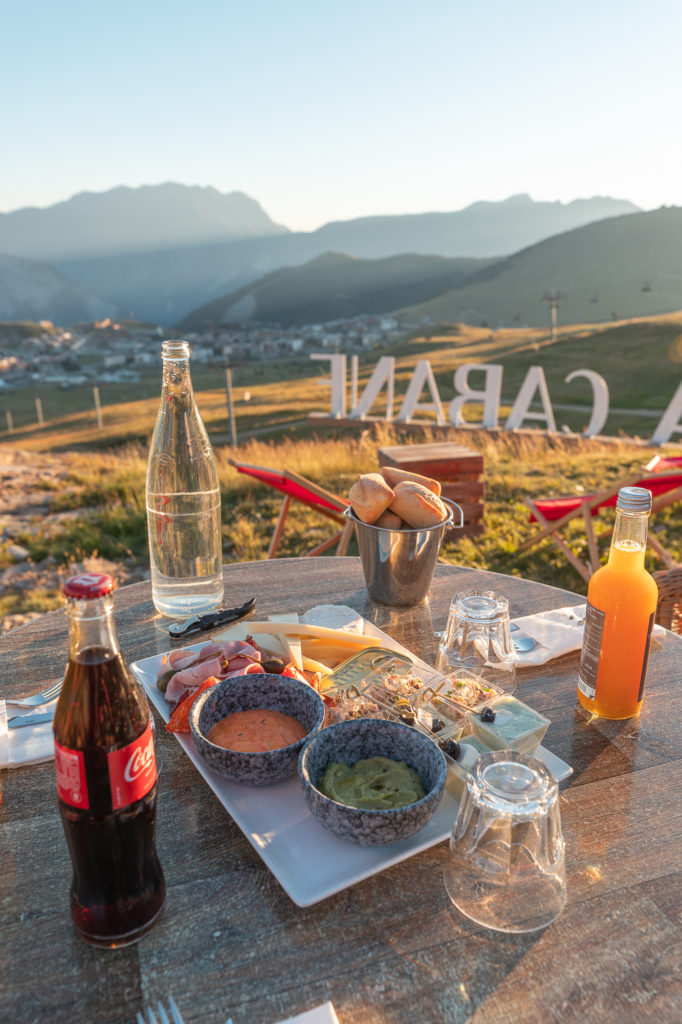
(459, 471)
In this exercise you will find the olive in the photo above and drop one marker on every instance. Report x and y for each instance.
(164, 679)
(274, 665)
(487, 715)
(451, 748)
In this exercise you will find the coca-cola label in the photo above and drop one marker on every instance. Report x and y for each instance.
(72, 786)
(132, 770)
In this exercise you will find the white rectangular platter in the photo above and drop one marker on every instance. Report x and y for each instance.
(309, 862)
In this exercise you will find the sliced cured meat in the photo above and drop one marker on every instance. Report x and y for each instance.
(190, 678)
(247, 670)
(219, 660)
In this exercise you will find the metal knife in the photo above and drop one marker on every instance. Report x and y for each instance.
(198, 623)
(20, 720)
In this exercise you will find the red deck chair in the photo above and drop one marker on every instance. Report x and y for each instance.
(297, 488)
(554, 513)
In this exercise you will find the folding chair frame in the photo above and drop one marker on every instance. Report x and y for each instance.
(552, 528)
(335, 512)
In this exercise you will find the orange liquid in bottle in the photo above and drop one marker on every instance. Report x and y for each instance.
(625, 592)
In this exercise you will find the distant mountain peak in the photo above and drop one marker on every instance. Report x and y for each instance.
(519, 199)
(161, 250)
(126, 219)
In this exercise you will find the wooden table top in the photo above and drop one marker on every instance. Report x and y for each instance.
(391, 948)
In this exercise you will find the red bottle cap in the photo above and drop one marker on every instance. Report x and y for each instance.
(88, 586)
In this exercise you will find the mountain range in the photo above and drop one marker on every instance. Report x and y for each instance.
(614, 269)
(158, 252)
(126, 220)
(333, 287)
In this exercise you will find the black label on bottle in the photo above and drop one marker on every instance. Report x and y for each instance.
(591, 651)
(645, 663)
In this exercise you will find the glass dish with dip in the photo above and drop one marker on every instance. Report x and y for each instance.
(514, 727)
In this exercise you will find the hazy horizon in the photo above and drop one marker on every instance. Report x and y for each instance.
(392, 213)
(326, 112)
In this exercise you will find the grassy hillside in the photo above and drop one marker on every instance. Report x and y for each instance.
(614, 269)
(333, 287)
(103, 496)
(99, 502)
(641, 361)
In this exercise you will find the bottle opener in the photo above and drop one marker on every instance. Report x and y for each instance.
(198, 623)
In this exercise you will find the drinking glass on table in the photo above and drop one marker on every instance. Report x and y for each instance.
(506, 867)
(478, 638)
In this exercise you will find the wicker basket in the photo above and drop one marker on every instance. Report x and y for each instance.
(669, 608)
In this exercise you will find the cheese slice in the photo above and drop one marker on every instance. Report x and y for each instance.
(291, 644)
(312, 665)
(329, 646)
(314, 632)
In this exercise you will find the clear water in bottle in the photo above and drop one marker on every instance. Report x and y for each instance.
(183, 499)
(184, 552)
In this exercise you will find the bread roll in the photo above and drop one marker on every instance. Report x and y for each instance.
(389, 521)
(417, 505)
(393, 476)
(370, 495)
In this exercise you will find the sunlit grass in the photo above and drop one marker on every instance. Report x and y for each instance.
(103, 490)
(105, 493)
(640, 359)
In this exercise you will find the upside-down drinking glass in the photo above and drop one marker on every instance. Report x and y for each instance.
(506, 868)
(478, 638)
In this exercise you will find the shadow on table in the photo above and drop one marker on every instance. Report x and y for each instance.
(411, 626)
(484, 959)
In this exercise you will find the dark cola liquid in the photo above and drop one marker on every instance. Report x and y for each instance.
(118, 889)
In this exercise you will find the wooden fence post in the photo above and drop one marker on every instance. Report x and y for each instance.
(230, 407)
(98, 408)
(39, 412)
(10, 421)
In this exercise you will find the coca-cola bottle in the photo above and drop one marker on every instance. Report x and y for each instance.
(106, 776)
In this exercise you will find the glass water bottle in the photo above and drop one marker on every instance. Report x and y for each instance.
(183, 499)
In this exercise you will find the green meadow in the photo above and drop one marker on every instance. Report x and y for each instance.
(104, 486)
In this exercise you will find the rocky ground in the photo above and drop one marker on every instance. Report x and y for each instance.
(27, 481)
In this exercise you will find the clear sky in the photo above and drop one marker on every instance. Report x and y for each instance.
(331, 109)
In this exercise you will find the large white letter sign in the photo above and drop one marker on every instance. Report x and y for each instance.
(423, 374)
(383, 373)
(535, 381)
(490, 395)
(670, 420)
(338, 382)
(600, 400)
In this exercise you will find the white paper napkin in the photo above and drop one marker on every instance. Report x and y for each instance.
(323, 1014)
(556, 632)
(29, 745)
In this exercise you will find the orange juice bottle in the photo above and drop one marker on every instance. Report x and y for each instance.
(621, 605)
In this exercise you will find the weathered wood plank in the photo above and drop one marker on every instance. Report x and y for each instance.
(391, 949)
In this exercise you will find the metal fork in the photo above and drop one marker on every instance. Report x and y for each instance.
(48, 695)
(163, 1018)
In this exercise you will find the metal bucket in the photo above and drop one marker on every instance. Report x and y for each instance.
(399, 564)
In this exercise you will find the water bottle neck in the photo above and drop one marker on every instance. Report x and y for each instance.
(177, 380)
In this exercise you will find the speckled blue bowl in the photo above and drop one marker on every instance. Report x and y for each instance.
(243, 693)
(372, 737)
